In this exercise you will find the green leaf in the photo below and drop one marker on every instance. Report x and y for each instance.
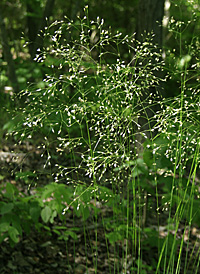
(72, 234)
(148, 157)
(54, 214)
(85, 212)
(46, 214)
(48, 190)
(114, 236)
(16, 222)
(6, 208)
(35, 211)
(13, 234)
(10, 190)
(4, 227)
(2, 177)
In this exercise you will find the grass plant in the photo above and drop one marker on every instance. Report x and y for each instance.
(140, 194)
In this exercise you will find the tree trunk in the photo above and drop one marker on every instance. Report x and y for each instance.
(38, 43)
(150, 16)
(8, 56)
(33, 21)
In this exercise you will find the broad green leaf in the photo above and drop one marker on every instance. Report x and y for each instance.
(46, 214)
(4, 227)
(13, 234)
(10, 190)
(54, 214)
(85, 212)
(6, 208)
(48, 190)
(114, 237)
(16, 222)
(148, 157)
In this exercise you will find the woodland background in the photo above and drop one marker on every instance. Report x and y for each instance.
(99, 115)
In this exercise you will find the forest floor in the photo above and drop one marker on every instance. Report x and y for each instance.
(43, 252)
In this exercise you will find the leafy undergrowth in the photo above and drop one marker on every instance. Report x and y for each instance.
(90, 240)
(44, 253)
(106, 174)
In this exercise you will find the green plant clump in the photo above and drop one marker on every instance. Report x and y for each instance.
(110, 139)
